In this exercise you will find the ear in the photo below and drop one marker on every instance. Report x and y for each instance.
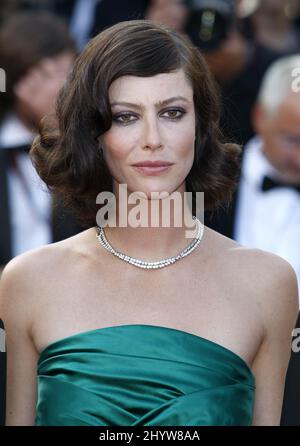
(259, 118)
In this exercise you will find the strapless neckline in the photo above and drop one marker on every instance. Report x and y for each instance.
(142, 375)
(214, 344)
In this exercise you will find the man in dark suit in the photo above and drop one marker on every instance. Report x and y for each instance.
(62, 222)
(45, 52)
(265, 210)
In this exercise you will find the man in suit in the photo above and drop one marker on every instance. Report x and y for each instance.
(45, 53)
(265, 210)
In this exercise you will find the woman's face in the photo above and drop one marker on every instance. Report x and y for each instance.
(153, 120)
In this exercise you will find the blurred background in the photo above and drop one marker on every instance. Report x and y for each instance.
(252, 48)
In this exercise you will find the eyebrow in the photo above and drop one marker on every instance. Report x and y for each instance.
(158, 104)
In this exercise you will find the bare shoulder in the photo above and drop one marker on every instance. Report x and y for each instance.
(28, 275)
(268, 278)
(273, 278)
(46, 258)
(33, 266)
(267, 268)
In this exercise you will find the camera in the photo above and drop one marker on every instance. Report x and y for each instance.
(209, 22)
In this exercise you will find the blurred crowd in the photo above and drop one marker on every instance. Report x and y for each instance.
(253, 50)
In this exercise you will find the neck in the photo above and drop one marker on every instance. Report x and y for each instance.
(173, 231)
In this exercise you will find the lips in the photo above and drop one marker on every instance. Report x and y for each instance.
(157, 163)
(156, 169)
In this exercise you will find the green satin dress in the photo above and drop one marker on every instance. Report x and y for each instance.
(142, 375)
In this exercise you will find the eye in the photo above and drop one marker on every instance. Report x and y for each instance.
(173, 113)
(123, 118)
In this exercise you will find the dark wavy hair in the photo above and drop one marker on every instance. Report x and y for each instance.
(66, 151)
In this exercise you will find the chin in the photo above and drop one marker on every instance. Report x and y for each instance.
(150, 194)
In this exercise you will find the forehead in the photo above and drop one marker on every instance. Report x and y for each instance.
(151, 88)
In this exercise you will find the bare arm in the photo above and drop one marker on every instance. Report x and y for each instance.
(15, 312)
(279, 309)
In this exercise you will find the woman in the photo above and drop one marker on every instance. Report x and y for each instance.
(113, 343)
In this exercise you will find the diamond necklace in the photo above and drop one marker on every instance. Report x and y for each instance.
(152, 265)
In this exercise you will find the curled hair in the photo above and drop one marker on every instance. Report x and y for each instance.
(66, 152)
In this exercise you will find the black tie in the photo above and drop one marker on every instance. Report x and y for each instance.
(268, 184)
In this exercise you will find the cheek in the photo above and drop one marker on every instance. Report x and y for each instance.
(185, 143)
(183, 133)
(115, 146)
(272, 147)
(276, 154)
(279, 153)
(185, 154)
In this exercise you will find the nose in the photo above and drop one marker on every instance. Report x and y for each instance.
(151, 136)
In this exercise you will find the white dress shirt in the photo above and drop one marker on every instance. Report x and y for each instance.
(29, 214)
(269, 220)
